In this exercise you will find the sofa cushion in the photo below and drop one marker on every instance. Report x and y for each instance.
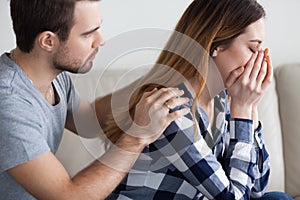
(269, 116)
(288, 82)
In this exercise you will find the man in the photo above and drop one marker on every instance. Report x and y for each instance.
(38, 100)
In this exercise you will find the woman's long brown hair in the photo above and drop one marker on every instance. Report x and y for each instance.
(204, 26)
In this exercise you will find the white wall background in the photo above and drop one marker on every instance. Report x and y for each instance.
(121, 16)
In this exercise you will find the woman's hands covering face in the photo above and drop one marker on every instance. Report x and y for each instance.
(247, 84)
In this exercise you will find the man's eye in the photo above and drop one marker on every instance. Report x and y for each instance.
(87, 35)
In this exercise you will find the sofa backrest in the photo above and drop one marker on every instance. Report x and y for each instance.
(270, 119)
(287, 84)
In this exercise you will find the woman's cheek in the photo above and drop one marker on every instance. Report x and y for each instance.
(225, 75)
(246, 60)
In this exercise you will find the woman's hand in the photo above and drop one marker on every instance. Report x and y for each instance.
(255, 106)
(247, 84)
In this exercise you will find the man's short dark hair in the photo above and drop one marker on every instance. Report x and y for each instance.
(32, 17)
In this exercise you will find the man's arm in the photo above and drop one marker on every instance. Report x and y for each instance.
(91, 118)
(45, 177)
(103, 105)
(84, 121)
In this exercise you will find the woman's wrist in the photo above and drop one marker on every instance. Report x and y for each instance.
(241, 111)
(255, 117)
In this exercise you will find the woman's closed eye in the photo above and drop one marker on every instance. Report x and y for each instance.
(252, 50)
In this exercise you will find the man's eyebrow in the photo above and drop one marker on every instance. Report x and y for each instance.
(91, 31)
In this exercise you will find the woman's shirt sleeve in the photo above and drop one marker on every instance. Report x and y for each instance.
(234, 178)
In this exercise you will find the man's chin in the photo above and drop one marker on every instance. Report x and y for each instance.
(82, 70)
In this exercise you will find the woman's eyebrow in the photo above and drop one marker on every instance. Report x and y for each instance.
(256, 40)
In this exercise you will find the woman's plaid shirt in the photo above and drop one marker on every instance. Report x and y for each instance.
(228, 161)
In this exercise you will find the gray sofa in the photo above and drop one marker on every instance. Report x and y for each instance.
(279, 112)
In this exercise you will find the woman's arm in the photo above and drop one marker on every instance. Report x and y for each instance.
(233, 179)
(262, 164)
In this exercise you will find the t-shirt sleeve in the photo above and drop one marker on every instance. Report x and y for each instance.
(21, 136)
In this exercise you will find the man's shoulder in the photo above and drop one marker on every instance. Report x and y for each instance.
(7, 74)
(14, 103)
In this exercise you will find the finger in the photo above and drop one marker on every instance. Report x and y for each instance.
(268, 57)
(147, 94)
(249, 65)
(269, 76)
(177, 114)
(233, 77)
(262, 72)
(257, 66)
(166, 94)
(270, 65)
(155, 94)
(177, 101)
(266, 52)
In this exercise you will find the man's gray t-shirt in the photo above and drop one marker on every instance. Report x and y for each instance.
(29, 125)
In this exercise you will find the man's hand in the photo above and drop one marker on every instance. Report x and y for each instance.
(152, 114)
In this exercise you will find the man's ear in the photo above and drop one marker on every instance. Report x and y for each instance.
(48, 40)
(217, 51)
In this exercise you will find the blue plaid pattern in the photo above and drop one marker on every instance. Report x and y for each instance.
(222, 162)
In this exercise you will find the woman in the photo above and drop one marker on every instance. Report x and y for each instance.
(216, 151)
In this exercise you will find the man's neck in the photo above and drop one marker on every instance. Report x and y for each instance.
(35, 67)
(38, 71)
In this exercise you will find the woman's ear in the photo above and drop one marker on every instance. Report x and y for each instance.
(217, 51)
(48, 40)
